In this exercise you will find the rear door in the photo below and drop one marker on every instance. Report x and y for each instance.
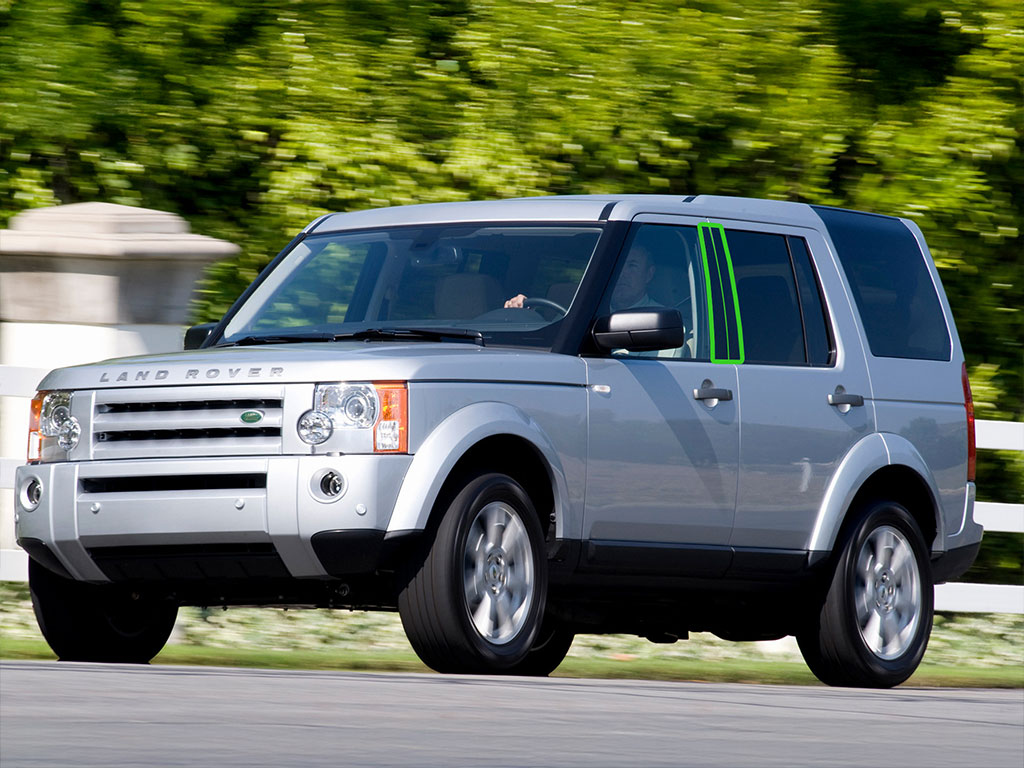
(803, 388)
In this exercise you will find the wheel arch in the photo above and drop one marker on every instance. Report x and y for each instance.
(482, 436)
(512, 455)
(884, 466)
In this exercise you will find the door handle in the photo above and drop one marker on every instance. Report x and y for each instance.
(844, 398)
(712, 393)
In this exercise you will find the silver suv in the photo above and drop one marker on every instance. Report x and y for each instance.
(516, 421)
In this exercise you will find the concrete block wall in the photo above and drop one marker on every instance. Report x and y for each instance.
(86, 282)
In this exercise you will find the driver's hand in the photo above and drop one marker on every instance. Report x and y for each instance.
(516, 302)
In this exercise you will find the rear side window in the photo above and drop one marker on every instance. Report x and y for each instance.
(769, 306)
(891, 285)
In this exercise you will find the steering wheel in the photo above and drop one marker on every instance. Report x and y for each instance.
(535, 302)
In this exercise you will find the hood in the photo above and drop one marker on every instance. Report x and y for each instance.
(325, 361)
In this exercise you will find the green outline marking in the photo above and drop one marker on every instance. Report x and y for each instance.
(705, 233)
(721, 293)
(707, 283)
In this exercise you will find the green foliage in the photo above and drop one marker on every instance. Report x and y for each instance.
(251, 118)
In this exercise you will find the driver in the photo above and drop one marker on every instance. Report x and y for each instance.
(631, 288)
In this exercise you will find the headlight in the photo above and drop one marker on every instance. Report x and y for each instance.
(52, 426)
(55, 411)
(380, 406)
(314, 427)
(348, 405)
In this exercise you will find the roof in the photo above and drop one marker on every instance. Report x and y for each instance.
(577, 208)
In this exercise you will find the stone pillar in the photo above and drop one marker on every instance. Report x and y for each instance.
(86, 282)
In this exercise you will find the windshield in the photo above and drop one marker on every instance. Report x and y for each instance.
(424, 278)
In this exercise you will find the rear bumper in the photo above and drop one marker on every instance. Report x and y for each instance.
(961, 547)
(948, 566)
(180, 518)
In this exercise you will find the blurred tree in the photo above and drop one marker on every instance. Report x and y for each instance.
(251, 118)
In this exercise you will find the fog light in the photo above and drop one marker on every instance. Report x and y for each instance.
(69, 433)
(327, 485)
(31, 494)
(314, 427)
(332, 484)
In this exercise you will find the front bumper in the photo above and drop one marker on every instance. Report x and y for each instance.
(89, 510)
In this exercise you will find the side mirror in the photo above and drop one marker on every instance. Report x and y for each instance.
(197, 334)
(642, 329)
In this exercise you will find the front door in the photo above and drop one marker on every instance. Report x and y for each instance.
(664, 426)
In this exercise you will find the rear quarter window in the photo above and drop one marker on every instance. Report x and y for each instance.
(891, 285)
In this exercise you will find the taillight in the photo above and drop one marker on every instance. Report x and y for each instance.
(972, 448)
(35, 438)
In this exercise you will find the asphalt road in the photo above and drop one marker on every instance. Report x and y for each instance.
(90, 715)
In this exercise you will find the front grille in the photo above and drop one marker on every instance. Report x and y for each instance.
(187, 421)
(142, 484)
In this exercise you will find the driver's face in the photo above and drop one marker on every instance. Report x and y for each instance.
(632, 283)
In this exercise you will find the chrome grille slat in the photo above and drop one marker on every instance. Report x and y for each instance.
(144, 449)
(186, 421)
(187, 405)
(205, 419)
(211, 433)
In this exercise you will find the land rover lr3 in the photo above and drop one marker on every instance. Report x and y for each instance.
(515, 421)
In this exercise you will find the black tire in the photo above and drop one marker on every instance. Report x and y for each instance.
(872, 629)
(473, 602)
(99, 622)
(548, 651)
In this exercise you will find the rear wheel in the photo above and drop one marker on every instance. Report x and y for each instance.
(873, 627)
(99, 622)
(474, 602)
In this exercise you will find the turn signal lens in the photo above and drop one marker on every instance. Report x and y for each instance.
(391, 432)
(35, 439)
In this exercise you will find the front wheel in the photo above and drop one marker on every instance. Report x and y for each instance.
(547, 652)
(873, 627)
(99, 622)
(474, 602)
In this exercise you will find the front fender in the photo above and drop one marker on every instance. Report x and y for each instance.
(450, 440)
(866, 457)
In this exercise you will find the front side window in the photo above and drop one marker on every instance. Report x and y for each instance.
(432, 277)
(661, 267)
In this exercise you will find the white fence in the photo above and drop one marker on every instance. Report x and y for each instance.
(971, 598)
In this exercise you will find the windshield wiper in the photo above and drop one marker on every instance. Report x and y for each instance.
(291, 338)
(413, 334)
(368, 334)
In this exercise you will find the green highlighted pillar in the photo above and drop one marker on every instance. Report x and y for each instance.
(725, 327)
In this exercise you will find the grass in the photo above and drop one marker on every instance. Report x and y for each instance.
(966, 650)
(720, 671)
